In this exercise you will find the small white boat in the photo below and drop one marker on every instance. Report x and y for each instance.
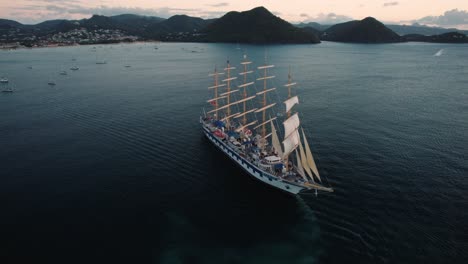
(63, 73)
(3, 80)
(74, 68)
(8, 90)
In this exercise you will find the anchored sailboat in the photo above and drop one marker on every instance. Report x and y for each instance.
(253, 143)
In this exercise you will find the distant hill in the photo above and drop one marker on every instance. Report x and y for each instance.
(399, 29)
(6, 23)
(136, 20)
(177, 23)
(312, 30)
(256, 26)
(422, 30)
(368, 30)
(135, 24)
(313, 25)
(450, 37)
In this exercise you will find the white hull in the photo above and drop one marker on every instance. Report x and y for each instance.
(251, 169)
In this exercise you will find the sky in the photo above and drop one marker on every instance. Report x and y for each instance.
(443, 13)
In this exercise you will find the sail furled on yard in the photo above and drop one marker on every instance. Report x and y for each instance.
(234, 103)
(245, 126)
(291, 102)
(290, 125)
(310, 158)
(275, 140)
(245, 113)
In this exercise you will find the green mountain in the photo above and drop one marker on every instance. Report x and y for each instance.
(6, 23)
(177, 24)
(313, 25)
(368, 30)
(255, 26)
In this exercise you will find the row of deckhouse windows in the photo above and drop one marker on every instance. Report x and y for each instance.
(242, 161)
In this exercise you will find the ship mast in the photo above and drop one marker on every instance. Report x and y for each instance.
(245, 63)
(289, 85)
(264, 92)
(228, 93)
(215, 99)
(291, 124)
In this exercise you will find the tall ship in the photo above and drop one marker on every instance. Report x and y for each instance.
(242, 122)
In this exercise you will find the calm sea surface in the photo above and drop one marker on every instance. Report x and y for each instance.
(110, 165)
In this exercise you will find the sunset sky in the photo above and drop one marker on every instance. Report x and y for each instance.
(445, 13)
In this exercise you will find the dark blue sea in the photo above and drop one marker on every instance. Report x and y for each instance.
(110, 164)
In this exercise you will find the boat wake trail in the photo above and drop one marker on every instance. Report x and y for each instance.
(439, 53)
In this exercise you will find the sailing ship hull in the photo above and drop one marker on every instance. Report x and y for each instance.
(251, 169)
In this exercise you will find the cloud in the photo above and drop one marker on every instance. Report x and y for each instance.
(390, 4)
(223, 4)
(326, 19)
(276, 13)
(72, 9)
(451, 18)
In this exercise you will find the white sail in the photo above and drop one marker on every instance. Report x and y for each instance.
(275, 140)
(299, 167)
(310, 158)
(291, 124)
(304, 162)
(291, 102)
(291, 143)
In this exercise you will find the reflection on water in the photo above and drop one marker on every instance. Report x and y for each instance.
(110, 165)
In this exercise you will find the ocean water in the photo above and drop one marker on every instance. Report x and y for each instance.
(110, 165)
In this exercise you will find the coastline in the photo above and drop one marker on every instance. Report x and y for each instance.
(6, 46)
